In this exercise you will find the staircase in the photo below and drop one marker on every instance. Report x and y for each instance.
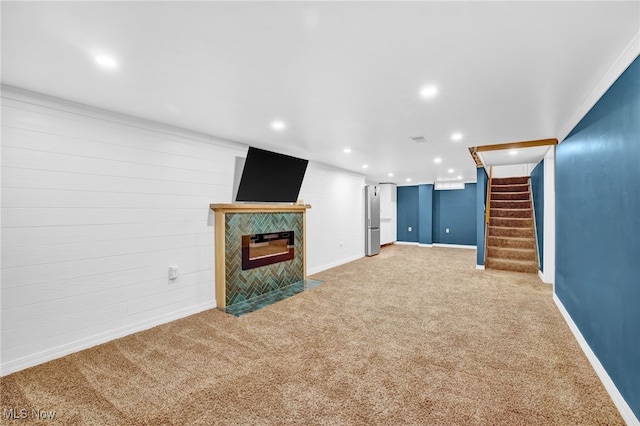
(511, 238)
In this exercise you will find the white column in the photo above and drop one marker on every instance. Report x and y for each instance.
(549, 255)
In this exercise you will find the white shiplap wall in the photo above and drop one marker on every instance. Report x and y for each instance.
(97, 205)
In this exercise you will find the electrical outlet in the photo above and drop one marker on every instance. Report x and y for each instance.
(446, 230)
(409, 229)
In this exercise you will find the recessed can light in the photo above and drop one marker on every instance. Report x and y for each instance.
(364, 166)
(347, 150)
(437, 160)
(278, 125)
(460, 177)
(390, 174)
(513, 152)
(450, 170)
(428, 92)
(106, 61)
(456, 136)
(408, 179)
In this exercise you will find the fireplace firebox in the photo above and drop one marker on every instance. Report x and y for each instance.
(265, 249)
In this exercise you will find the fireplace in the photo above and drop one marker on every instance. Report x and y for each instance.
(271, 267)
(265, 249)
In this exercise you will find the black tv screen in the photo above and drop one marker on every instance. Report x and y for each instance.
(270, 177)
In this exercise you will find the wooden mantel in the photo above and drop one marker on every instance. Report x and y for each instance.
(259, 208)
(220, 251)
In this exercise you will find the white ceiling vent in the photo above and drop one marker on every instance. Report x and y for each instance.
(419, 139)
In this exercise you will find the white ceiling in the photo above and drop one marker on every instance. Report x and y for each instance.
(340, 74)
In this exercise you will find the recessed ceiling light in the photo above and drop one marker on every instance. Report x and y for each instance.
(278, 125)
(106, 61)
(437, 160)
(513, 152)
(364, 166)
(390, 174)
(460, 177)
(428, 92)
(347, 150)
(450, 170)
(408, 179)
(456, 136)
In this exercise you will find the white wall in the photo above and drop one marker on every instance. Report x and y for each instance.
(335, 222)
(549, 252)
(97, 205)
(513, 170)
(388, 213)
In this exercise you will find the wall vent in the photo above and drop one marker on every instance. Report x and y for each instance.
(449, 185)
(419, 139)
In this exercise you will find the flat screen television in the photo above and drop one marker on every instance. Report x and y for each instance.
(270, 177)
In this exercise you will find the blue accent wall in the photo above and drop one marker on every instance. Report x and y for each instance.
(598, 231)
(407, 213)
(425, 218)
(456, 210)
(481, 198)
(537, 189)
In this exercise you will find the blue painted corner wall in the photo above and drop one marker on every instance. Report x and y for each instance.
(598, 231)
(481, 199)
(455, 210)
(537, 190)
(407, 205)
(425, 214)
(429, 213)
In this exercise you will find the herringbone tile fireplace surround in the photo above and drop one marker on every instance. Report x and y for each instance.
(233, 221)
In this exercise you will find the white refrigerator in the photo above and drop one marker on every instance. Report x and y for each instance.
(372, 220)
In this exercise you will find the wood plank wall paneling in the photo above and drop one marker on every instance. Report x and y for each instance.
(94, 210)
(97, 205)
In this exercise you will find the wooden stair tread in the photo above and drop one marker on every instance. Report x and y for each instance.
(514, 238)
(522, 249)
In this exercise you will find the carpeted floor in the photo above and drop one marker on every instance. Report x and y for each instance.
(413, 336)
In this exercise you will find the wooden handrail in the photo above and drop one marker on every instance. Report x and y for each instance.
(488, 206)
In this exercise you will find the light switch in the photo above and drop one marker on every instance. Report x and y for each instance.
(446, 230)
(409, 229)
(173, 272)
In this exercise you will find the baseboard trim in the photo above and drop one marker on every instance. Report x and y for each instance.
(622, 406)
(481, 267)
(454, 246)
(425, 245)
(333, 264)
(407, 243)
(98, 339)
(541, 276)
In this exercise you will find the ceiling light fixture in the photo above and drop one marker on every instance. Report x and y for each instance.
(347, 150)
(278, 125)
(513, 152)
(456, 136)
(408, 179)
(450, 170)
(428, 92)
(364, 166)
(460, 177)
(106, 61)
(390, 175)
(437, 160)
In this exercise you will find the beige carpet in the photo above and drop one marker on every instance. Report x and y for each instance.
(413, 336)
